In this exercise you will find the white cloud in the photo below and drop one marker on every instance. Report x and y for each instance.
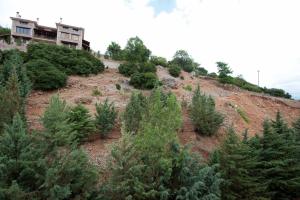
(248, 34)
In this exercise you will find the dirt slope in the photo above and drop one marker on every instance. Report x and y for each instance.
(229, 99)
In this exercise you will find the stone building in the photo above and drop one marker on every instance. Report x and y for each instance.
(24, 30)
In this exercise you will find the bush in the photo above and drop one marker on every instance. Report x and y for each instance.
(143, 80)
(81, 122)
(105, 117)
(44, 75)
(174, 70)
(70, 61)
(127, 69)
(201, 71)
(159, 61)
(96, 92)
(203, 114)
(213, 75)
(146, 67)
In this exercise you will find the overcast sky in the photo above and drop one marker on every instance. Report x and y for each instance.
(250, 35)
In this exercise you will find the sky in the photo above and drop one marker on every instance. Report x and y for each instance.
(249, 35)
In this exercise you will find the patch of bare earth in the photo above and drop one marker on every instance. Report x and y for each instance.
(256, 107)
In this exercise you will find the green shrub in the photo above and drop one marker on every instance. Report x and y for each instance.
(159, 61)
(44, 75)
(105, 117)
(201, 71)
(213, 75)
(81, 122)
(174, 70)
(203, 114)
(70, 61)
(127, 69)
(147, 67)
(143, 80)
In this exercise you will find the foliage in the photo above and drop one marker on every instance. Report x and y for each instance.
(203, 114)
(152, 165)
(146, 80)
(213, 75)
(55, 121)
(277, 92)
(44, 75)
(265, 167)
(70, 61)
(105, 117)
(223, 69)
(127, 69)
(174, 70)
(114, 51)
(96, 92)
(136, 51)
(188, 88)
(29, 171)
(118, 86)
(183, 60)
(133, 113)
(81, 122)
(4, 31)
(201, 71)
(156, 60)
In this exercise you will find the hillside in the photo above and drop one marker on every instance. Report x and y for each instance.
(230, 100)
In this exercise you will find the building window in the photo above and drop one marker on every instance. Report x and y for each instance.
(75, 37)
(75, 29)
(65, 35)
(22, 30)
(65, 27)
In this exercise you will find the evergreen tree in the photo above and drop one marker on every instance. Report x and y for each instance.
(10, 100)
(81, 122)
(203, 114)
(105, 117)
(55, 121)
(237, 164)
(133, 113)
(279, 160)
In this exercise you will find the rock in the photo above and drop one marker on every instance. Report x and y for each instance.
(83, 100)
(170, 83)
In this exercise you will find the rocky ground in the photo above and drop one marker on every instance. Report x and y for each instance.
(229, 99)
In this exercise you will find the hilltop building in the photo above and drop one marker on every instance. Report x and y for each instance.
(24, 30)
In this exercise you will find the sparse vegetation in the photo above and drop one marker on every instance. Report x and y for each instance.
(188, 88)
(203, 114)
(243, 115)
(96, 92)
(118, 86)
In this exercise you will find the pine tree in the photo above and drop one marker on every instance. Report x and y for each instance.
(55, 121)
(81, 122)
(133, 113)
(237, 164)
(203, 114)
(279, 160)
(10, 100)
(106, 115)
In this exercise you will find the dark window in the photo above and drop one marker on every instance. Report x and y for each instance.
(65, 27)
(22, 30)
(75, 29)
